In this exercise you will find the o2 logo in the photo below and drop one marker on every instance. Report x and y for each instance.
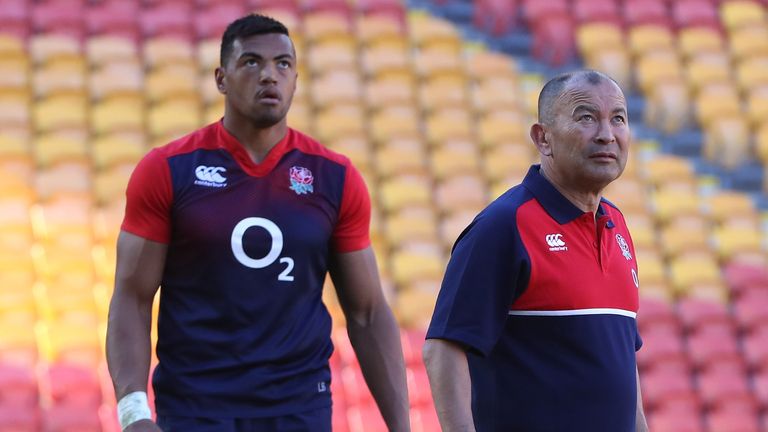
(274, 251)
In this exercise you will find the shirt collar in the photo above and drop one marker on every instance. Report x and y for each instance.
(555, 204)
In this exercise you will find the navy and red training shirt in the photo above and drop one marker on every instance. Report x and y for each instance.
(242, 330)
(545, 298)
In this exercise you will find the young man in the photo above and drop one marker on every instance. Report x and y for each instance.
(534, 328)
(239, 222)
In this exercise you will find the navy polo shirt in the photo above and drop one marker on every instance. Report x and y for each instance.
(545, 298)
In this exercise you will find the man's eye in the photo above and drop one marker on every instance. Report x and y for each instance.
(251, 62)
(619, 119)
(587, 117)
(284, 64)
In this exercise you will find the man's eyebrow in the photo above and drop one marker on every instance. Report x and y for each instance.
(585, 107)
(260, 57)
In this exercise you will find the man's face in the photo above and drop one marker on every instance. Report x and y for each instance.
(259, 78)
(588, 134)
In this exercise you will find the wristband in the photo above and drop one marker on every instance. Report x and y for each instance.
(132, 408)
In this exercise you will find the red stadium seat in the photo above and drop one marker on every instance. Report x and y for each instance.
(18, 387)
(723, 385)
(713, 343)
(675, 421)
(355, 389)
(637, 12)
(660, 345)
(59, 16)
(15, 18)
(365, 417)
(112, 17)
(751, 308)
(664, 385)
(495, 16)
(690, 13)
(412, 341)
(755, 346)
(694, 312)
(65, 418)
(419, 391)
(212, 21)
(553, 39)
(72, 385)
(536, 10)
(587, 11)
(733, 420)
(740, 276)
(15, 419)
(654, 312)
(760, 386)
(424, 419)
(343, 347)
(171, 19)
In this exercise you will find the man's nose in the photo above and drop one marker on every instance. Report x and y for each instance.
(267, 73)
(605, 132)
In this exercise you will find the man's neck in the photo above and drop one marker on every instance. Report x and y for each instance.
(256, 141)
(585, 200)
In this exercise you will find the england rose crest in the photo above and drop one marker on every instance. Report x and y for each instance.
(301, 180)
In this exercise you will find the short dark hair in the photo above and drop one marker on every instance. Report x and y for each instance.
(249, 25)
(555, 87)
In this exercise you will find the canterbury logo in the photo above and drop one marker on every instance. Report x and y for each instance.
(555, 242)
(209, 176)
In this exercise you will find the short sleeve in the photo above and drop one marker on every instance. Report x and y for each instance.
(484, 275)
(149, 196)
(352, 231)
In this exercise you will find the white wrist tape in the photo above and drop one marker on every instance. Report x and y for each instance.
(132, 408)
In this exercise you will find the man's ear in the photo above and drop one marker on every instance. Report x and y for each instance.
(539, 137)
(221, 80)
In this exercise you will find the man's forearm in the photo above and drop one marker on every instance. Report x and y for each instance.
(380, 354)
(129, 344)
(449, 378)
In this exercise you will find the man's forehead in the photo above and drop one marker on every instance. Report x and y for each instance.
(579, 90)
(267, 43)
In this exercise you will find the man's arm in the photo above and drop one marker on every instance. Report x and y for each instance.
(448, 371)
(139, 270)
(373, 333)
(641, 423)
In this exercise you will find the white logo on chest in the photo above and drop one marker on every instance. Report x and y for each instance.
(556, 243)
(209, 176)
(624, 247)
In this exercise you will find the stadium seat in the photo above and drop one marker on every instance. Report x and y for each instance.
(553, 39)
(695, 313)
(64, 418)
(452, 123)
(496, 17)
(411, 223)
(642, 12)
(736, 14)
(419, 392)
(59, 17)
(400, 156)
(56, 147)
(45, 47)
(757, 106)
(72, 386)
(341, 86)
(536, 11)
(755, 343)
(696, 40)
(415, 302)
(461, 191)
(335, 122)
(712, 344)
(676, 239)
(117, 78)
(422, 261)
(658, 65)
(102, 50)
(404, 190)
(172, 81)
(660, 345)
(365, 417)
(695, 14)
(394, 122)
(114, 18)
(727, 138)
(453, 158)
(597, 11)
(433, 34)
(210, 21)
(14, 419)
(752, 71)
(505, 158)
(18, 386)
(69, 177)
(171, 19)
(62, 111)
(706, 68)
(666, 383)
(748, 41)
(727, 420)
(721, 386)
(15, 18)
(646, 38)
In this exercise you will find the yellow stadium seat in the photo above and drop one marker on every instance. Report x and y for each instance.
(749, 41)
(376, 27)
(18, 343)
(630, 194)
(433, 33)
(692, 272)
(501, 160)
(454, 157)
(117, 78)
(334, 87)
(707, 68)
(647, 38)
(174, 117)
(677, 239)
(428, 63)
(411, 265)
(732, 241)
(19, 174)
(739, 13)
(650, 267)
(394, 122)
(641, 227)
(443, 91)
(60, 75)
(390, 90)
(117, 148)
(485, 65)
(14, 72)
(448, 124)
(299, 116)
(323, 25)
(727, 140)
(104, 49)
(717, 100)
(668, 106)
(695, 40)
(400, 155)
(118, 114)
(659, 65)
(452, 224)
(171, 81)
(72, 342)
(414, 306)
(596, 36)
(500, 127)
(669, 204)
(724, 206)
(336, 121)
(495, 94)
(357, 148)
(11, 46)
(64, 111)
(416, 223)
(14, 145)
(337, 52)
(56, 147)
(162, 51)
(208, 55)
(64, 177)
(405, 190)
(757, 106)
(751, 72)
(109, 184)
(391, 54)
(461, 192)
(45, 47)
(663, 169)
(614, 61)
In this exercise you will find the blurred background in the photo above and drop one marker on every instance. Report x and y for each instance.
(432, 100)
